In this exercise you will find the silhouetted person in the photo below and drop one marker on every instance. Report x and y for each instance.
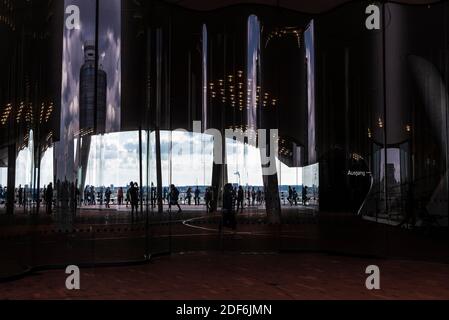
(174, 198)
(49, 198)
(295, 196)
(290, 196)
(259, 196)
(5, 195)
(240, 198)
(197, 196)
(134, 193)
(253, 196)
(304, 195)
(129, 193)
(208, 199)
(153, 195)
(93, 196)
(44, 192)
(189, 196)
(107, 195)
(20, 195)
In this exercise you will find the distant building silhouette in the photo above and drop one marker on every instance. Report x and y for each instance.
(91, 122)
(87, 94)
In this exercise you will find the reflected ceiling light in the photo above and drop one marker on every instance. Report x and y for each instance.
(408, 128)
(6, 114)
(380, 123)
(284, 32)
(241, 92)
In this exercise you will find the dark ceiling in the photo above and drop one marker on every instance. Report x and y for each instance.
(305, 6)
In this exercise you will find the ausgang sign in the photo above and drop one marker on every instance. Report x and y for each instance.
(358, 173)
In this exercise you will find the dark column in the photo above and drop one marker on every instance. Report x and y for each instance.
(271, 186)
(219, 179)
(141, 171)
(159, 54)
(12, 156)
(159, 171)
(38, 179)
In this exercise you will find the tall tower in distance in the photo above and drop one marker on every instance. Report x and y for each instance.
(87, 94)
(88, 116)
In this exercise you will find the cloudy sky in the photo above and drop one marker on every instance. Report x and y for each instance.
(110, 59)
(73, 58)
(186, 161)
(3, 176)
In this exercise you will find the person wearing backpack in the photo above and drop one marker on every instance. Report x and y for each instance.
(174, 198)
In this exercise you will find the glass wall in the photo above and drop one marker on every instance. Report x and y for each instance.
(248, 128)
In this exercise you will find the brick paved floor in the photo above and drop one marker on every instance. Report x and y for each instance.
(213, 275)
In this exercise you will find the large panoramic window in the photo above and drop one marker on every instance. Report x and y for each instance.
(25, 163)
(46, 171)
(113, 160)
(3, 176)
(244, 164)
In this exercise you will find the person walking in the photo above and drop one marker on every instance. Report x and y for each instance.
(240, 198)
(107, 195)
(304, 195)
(174, 198)
(295, 196)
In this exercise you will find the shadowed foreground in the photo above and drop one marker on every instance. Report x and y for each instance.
(214, 275)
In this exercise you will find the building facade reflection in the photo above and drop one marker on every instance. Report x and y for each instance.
(361, 115)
